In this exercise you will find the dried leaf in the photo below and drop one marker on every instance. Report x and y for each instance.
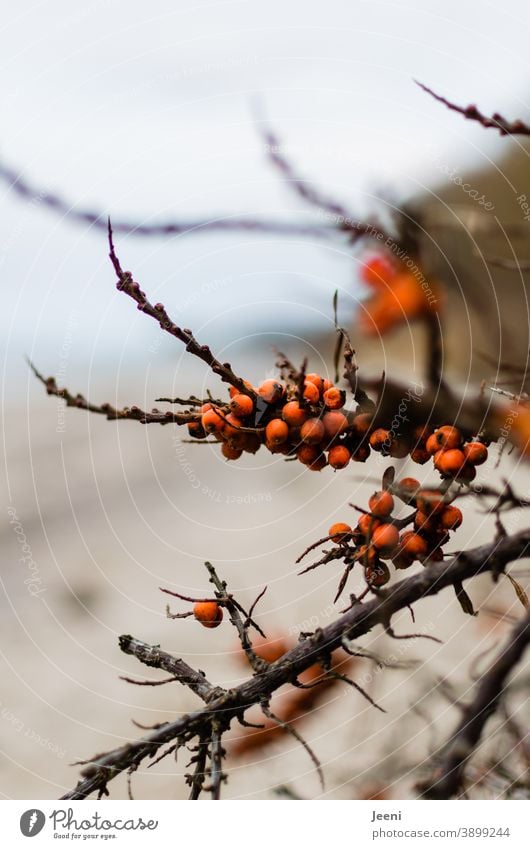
(465, 602)
(519, 592)
(388, 477)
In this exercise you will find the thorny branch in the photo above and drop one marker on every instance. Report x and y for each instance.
(448, 779)
(358, 620)
(112, 413)
(157, 311)
(505, 128)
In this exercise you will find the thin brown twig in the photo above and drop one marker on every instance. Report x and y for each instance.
(496, 121)
(127, 284)
(133, 413)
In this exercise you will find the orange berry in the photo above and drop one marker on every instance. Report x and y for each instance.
(408, 483)
(424, 523)
(398, 449)
(451, 462)
(413, 544)
(449, 437)
(445, 437)
(250, 442)
(367, 524)
(294, 414)
(339, 456)
(334, 423)
(231, 426)
(229, 452)
(467, 473)
(451, 518)
(307, 454)
(401, 560)
(271, 391)
(378, 271)
(211, 421)
(276, 432)
(432, 445)
(407, 489)
(385, 538)
(334, 398)
(196, 430)
(361, 423)
(437, 459)
(361, 454)
(311, 393)
(316, 380)
(475, 453)
(208, 613)
(318, 464)
(377, 575)
(380, 438)
(242, 406)
(421, 433)
(381, 504)
(206, 407)
(312, 432)
(340, 532)
(326, 384)
(234, 391)
(419, 455)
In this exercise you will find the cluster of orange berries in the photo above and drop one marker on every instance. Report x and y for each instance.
(310, 422)
(378, 536)
(453, 456)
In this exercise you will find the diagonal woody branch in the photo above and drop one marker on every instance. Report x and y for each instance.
(358, 620)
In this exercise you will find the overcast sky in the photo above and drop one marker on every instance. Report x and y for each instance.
(145, 111)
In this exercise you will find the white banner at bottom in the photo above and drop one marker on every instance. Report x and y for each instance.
(254, 824)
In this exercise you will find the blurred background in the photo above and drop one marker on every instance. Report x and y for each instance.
(152, 114)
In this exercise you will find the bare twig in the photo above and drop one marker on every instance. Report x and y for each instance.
(287, 726)
(155, 657)
(505, 128)
(241, 625)
(448, 777)
(112, 413)
(157, 311)
(198, 226)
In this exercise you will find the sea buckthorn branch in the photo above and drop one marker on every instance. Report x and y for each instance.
(358, 620)
(241, 625)
(209, 611)
(111, 413)
(98, 219)
(505, 128)
(156, 658)
(448, 778)
(127, 284)
(343, 219)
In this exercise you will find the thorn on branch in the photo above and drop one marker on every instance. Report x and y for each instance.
(294, 733)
